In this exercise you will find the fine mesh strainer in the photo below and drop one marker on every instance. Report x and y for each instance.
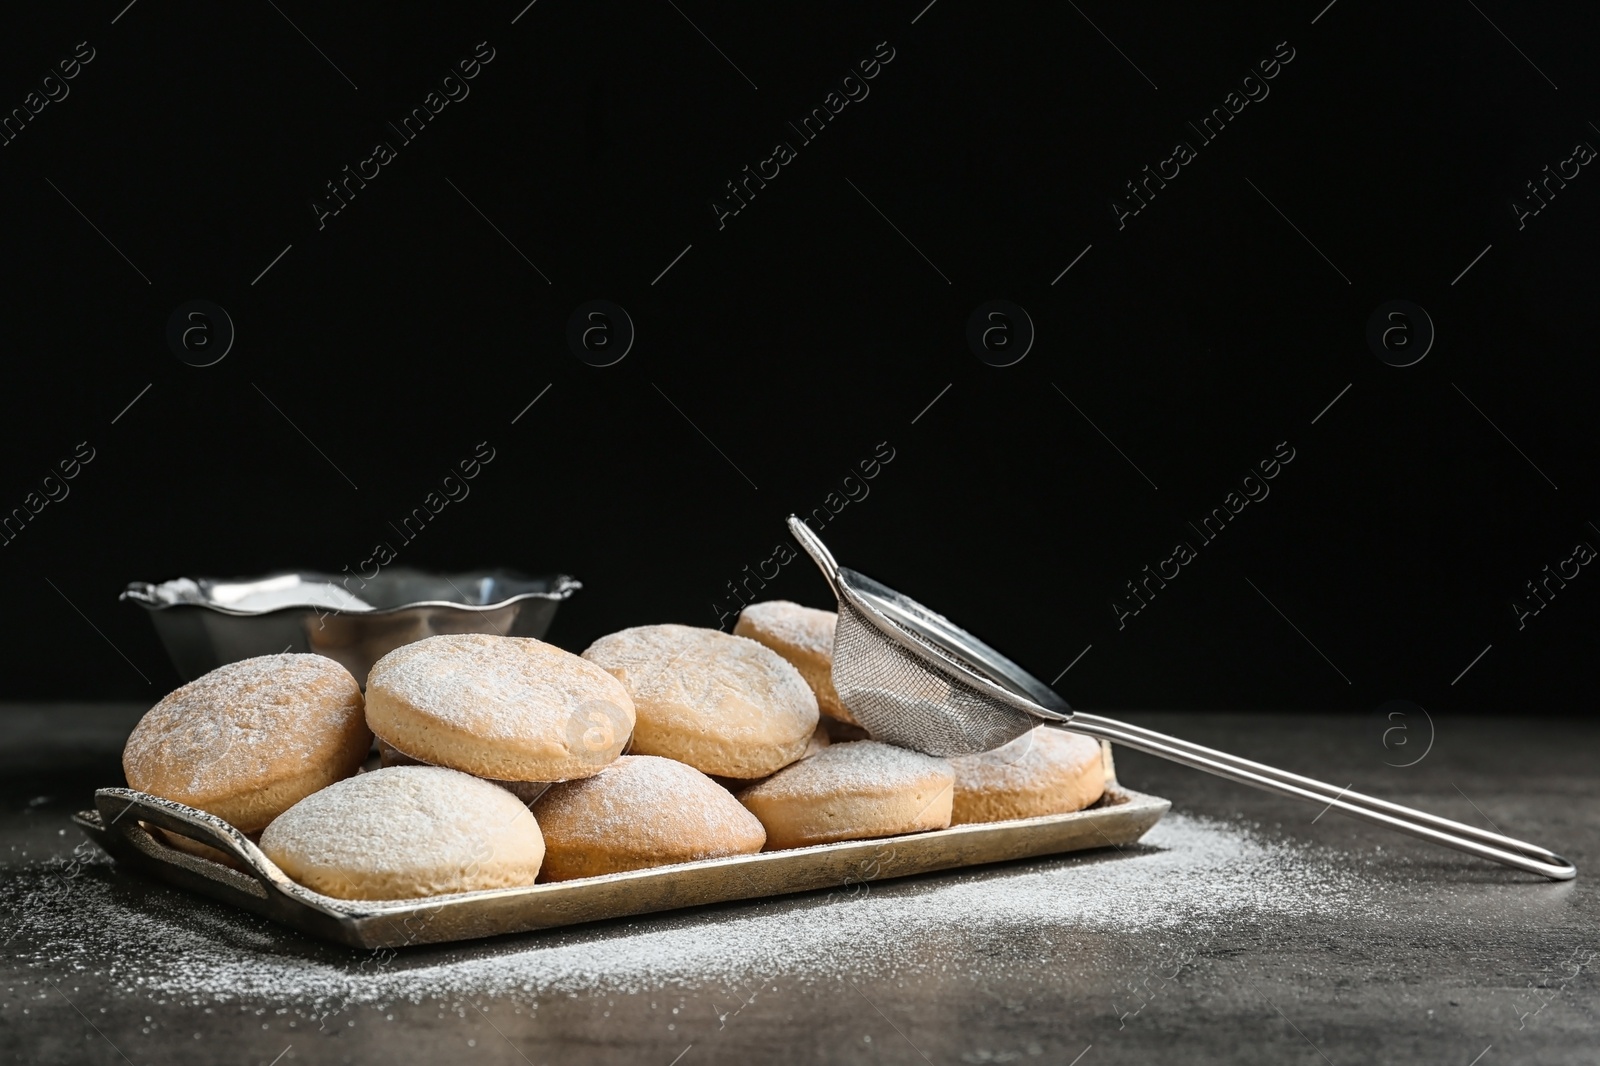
(913, 678)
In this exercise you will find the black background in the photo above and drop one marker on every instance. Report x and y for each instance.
(809, 330)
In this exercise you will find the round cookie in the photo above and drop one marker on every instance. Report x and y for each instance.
(404, 832)
(724, 705)
(1044, 771)
(505, 708)
(804, 637)
(249, 740)
(641, 811)
(852, 791)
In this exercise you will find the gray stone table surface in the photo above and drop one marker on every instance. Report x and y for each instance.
(1245, 928)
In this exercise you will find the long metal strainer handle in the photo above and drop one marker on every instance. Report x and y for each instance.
(1484, 844)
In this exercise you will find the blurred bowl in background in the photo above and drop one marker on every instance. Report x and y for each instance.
(206, 622)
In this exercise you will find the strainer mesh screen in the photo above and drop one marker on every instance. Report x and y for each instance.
(901, 698)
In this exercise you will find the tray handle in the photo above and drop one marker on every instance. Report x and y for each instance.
(122, 809)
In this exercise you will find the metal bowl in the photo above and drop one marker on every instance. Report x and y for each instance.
(206, 622)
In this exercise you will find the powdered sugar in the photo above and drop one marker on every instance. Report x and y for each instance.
(230, 726)
(638, 809)
(1189, 874)
(739, 686)
(1019, 764)
(646, 788)
(725, 705)
(406, 831)
(501, 688)
(289, 590)
(855, 767)
(803, 628)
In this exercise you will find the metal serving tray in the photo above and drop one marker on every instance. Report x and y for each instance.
(119, 826)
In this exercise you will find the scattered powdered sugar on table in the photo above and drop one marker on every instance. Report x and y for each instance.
(1189, 875)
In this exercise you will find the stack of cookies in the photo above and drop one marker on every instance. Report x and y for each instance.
(506, 760)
